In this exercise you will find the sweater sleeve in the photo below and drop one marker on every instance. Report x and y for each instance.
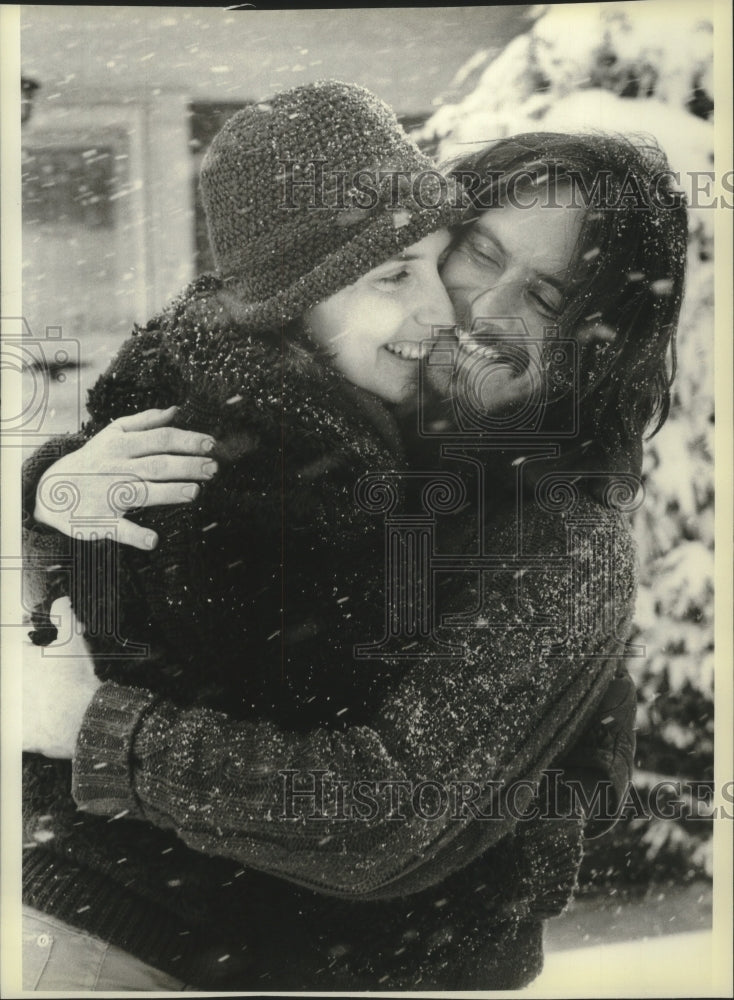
(342, 811)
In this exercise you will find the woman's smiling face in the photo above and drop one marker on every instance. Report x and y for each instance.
(376, 329)
(507, 277)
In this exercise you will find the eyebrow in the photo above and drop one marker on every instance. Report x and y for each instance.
(559, 284)
(397, 259)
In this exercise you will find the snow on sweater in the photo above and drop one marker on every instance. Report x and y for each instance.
(506, 709)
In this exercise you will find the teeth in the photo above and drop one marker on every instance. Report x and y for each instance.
(408, 349)
(472, 347)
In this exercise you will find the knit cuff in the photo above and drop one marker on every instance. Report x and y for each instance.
(102, 779)
(549, 861)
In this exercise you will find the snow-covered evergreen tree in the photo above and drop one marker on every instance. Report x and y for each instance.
(638, 69)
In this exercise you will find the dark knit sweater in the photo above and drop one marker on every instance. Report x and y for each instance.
(274, 567)
(418, 897)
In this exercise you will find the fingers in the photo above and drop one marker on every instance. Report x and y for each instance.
(161, 468)
(145, 420)
(169, 440)
(149, 435)
(134, 493)
(168, 494)
(132, 534)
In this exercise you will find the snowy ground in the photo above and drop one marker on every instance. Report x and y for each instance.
(661, 910)
(659, 945)
(675, 965)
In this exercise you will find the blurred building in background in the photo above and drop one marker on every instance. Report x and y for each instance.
(128, 99)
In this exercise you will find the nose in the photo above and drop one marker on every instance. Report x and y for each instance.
(500, 306)
(434, 308)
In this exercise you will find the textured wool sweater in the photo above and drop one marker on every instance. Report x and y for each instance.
(157, 744)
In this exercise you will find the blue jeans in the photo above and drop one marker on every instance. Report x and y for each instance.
(57, 956)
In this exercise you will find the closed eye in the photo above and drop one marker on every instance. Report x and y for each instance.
(481, 250)
(395, 278)
(548, 303)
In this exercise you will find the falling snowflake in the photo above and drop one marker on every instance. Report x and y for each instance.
(401, 218)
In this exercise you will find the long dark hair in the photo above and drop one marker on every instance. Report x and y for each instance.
(627, 273)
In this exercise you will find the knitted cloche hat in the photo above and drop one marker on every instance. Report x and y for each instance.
(306, 193)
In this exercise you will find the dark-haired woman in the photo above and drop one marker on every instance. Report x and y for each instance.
(569, 308)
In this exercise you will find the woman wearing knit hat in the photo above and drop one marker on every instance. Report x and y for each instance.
(431, 903)
(272, 567)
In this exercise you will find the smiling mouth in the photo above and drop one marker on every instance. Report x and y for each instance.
(471, 346)
(409, 350)
(508, 352)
